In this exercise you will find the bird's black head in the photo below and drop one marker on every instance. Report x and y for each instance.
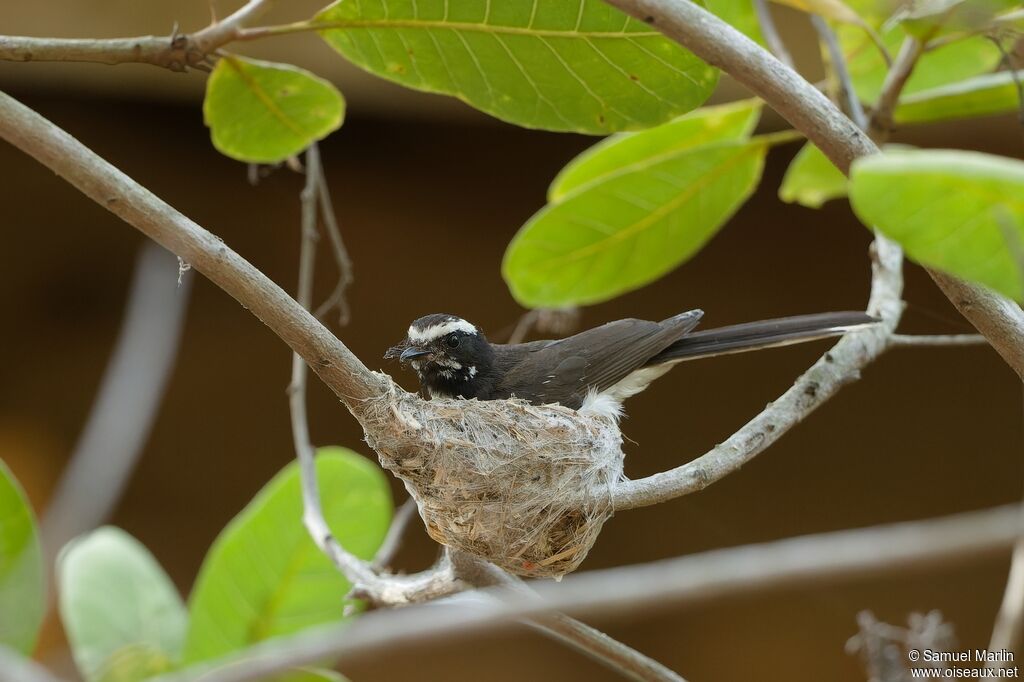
(451, 356)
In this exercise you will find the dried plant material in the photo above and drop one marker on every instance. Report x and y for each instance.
(527, 488)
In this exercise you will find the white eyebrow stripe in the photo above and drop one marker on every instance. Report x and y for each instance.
(436, 331)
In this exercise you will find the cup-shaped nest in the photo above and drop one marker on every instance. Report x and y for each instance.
(525, 487)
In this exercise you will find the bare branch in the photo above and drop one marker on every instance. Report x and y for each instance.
(355, 569)
(1009, 627)
(721, 45)
(174, 52)
(881, 118)
(393, 540)
(591, 641)
(127, 403)
(836, 368)
(99, 180)
(795, 562)
(842, 71)
(771, 33)
(906, 340)
(341, 257)
(999, 319)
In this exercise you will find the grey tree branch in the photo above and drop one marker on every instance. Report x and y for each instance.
(999, 319)
(337, 298)
(591, 641)
(721, 45)
(795, 562)
(881, 122)
(352, 567)
(176, 52)
(833, 370)
(127, 403)
(910, 340)
(396, 531)
(102, 182)
(842, 72)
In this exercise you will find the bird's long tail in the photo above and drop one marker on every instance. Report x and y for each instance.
(764, 334)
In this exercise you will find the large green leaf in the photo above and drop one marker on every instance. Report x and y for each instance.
(709, 124)
(123, 616)
(811, 179)
(264, 577)
(259, 112)
(22, 582)
(570, 66)
(961, 212)
(993, 93)
(627, 229)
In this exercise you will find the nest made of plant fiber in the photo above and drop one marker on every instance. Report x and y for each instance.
(525, 487)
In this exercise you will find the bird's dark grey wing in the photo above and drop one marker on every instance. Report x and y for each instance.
(563, 371)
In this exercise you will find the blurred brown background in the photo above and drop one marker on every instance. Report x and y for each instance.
(429, 194)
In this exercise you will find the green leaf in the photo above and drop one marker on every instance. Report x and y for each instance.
(22, 581)
(123, 616)
(811, 179)
(567, 66)
(993, 93)
(948, 64)
(710, 124)
(264, 577)
(961, 212)
(259, 112)
(627, 229)
(836, 10)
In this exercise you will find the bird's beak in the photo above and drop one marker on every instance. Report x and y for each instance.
(405, 352)
(412, 353)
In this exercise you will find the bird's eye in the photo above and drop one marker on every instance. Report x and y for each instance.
(452, 340)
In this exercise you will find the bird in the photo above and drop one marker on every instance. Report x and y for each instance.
(593, 371)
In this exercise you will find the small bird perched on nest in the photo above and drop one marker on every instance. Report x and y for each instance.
(593, 371)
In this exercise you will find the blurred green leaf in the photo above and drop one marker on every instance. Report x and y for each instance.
(811, 179)
(264, 577)
(740, 14)
(259, 112)
(623, 231)
(993, 93)
(22, 579)
(123, 616)
(961, 212)
(582, 66)
(836, 10)
(616, 153)
(948, 64)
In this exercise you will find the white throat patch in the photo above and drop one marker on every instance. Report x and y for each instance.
(436, 331)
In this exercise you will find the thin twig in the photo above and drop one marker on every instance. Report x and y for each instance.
(771, 33)
(341, 257)
(99, 180)
(393, 540)
(881, 122)
(127, 403)
(906, 340)
(591, 641)
(841, 70)
(1009, 626)
(523, 326)
(791, 563)
(177, 52)
(355, 569)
